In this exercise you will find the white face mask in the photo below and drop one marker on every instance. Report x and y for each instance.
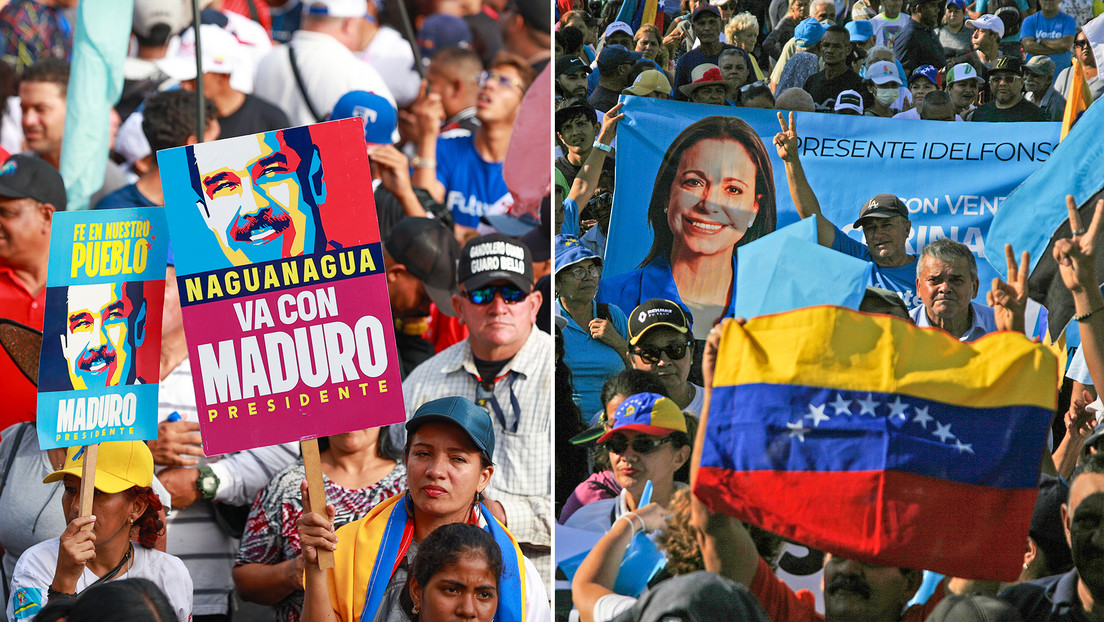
(886, 96)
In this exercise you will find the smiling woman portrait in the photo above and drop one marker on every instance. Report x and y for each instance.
(714, 193)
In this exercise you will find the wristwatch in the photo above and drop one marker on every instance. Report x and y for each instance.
(207, 483)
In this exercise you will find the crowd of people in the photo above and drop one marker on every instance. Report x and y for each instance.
(636, 348)
(177, 535)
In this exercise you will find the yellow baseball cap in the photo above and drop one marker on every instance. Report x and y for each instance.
(120, 465)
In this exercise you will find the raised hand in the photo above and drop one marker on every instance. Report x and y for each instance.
(1076, 254)
(785, 141)
(1009, 300)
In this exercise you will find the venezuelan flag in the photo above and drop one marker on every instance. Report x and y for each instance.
(873, 439)
(371, 549)
(1079, 98)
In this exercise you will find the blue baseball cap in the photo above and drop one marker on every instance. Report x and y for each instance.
(569, 251)
(808, 32)
(860, 30)
(612, 56)
(703, 9)
(459, 411)
(377, 113)
(925, 71)
(960, 4)
(440, 31)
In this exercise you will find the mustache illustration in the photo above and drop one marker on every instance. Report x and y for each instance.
(251, 224)
(104, 354)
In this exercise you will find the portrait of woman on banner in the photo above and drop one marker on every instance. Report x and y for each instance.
(714, 193)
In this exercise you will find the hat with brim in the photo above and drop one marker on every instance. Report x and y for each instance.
(656, 313)
(647, 82)
(569, 251)
(459, 411)
(120, 465)
(31, 177)
(882, 206)
(428, 250)
(593, 433)
(709, 77)
(647, 413)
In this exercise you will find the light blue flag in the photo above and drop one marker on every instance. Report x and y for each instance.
(1034, 211)
(95, 82)
(789, 270)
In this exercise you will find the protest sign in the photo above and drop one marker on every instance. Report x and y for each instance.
(953, 177)
(282, 286)
(101, 356)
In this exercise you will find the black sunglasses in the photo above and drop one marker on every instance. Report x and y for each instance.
(618, 443)
(652, 354)
(485, 295)
(747, 87)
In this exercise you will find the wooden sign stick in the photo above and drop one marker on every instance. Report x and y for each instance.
(88, 481)
(316, 491)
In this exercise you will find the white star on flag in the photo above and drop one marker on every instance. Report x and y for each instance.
(842, 406)
(868, 405)
(922, 417)
(816, 413)
(963, 448)
(798, 430)
(897, 408)
(943, 431)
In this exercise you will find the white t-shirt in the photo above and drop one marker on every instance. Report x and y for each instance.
(34, 572)
(610, 606)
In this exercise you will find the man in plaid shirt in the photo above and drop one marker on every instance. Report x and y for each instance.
(505, 366)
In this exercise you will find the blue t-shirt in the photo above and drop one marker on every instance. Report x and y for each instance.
(473, 186)
(1039, 27)
(127, 196)
(900, 279)
(654, 280)
(591, 362)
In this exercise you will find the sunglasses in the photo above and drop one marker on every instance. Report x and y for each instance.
(618, 443)
(498, 79)
(1081, 43)
(652, 354)
(485, 295)
(581, 272)
(747, 87)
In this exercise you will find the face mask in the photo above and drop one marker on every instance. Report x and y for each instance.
(886, 96)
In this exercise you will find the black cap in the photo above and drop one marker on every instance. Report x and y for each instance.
(656, 312)
(537, 14)
(495, 257)
(1047, 529)
(973, 607)
(696, 597)
(30, 177)
(882, 206)
(570, 64)
(462, 412)
(429, 251)
(1007, 63)
(568, 107)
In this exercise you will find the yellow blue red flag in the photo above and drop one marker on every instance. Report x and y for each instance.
(870, 438)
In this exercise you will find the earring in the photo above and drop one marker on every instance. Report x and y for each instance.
(416, 610)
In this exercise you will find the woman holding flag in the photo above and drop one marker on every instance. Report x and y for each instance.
(450, 443)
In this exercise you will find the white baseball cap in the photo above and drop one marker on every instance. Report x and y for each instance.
(962, 71)
(220, 53)
(988, 22)
(336, 8)
(882, 72)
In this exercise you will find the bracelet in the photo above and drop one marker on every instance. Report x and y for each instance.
(420, 162)
(52, 594)
(1085, 316)
(629, 516)
(602, 146)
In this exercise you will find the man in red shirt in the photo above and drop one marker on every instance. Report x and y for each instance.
(30, 192)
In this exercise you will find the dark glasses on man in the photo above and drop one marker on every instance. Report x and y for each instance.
(652, 354)
(484, 295)
(618, 443)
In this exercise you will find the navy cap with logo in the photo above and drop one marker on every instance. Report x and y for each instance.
(429, 251)
(30, 177)
(570, 64)
(654, 313)
(882, 206)
(495, 257)
(460, 411)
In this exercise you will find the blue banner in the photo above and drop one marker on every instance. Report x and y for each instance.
(952, 176)
(101, 355)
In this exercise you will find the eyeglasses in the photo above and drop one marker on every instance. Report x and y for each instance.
(581, 272)
(642, 445)
(1081, 43)
(485, 295)
(498, 80)
(1007, 78)
(652, 354)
